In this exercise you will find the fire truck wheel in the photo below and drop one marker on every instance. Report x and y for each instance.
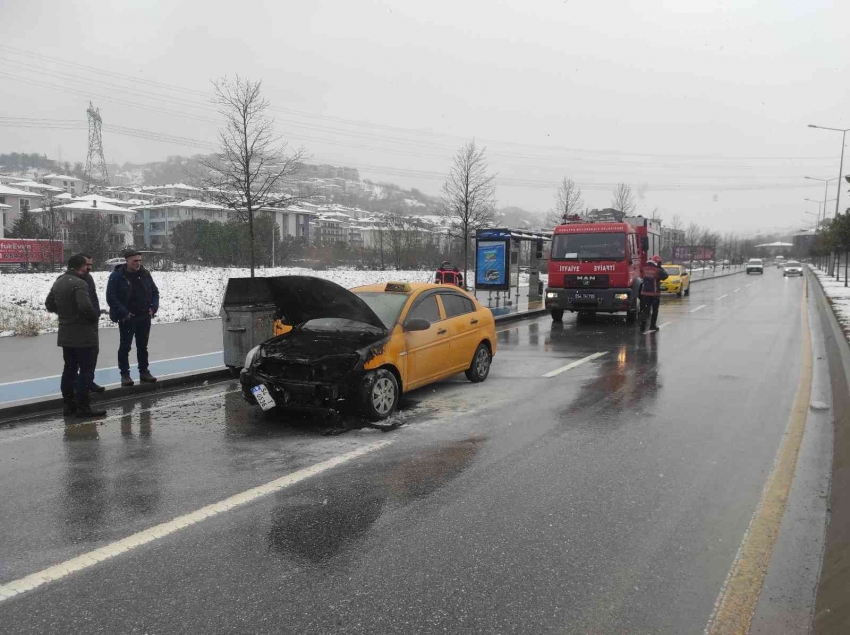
(558, 315)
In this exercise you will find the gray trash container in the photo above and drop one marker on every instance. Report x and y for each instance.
(247, 318)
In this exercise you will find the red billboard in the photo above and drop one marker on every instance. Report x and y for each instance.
(26, 250)
(696, 252)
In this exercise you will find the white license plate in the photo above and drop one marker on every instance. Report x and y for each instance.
(263, 397)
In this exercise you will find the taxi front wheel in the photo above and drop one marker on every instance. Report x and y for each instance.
(379, 394)
(480, 366)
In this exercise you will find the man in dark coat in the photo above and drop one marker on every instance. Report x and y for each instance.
(133, 300)
(650, 292)
(96, 306)
(78, 337)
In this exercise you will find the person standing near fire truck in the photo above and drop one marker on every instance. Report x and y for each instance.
(650, 293)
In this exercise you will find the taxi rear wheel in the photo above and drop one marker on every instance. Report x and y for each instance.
(480, 366)
(379, 395)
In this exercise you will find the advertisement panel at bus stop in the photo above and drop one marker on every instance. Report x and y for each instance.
(15, 251)
(491, 265)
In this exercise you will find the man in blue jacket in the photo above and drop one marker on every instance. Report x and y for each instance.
(133, 300)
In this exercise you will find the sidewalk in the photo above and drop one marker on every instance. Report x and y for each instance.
(176, 348)
(36, 362)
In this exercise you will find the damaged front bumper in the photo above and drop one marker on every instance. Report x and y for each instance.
(303, 395)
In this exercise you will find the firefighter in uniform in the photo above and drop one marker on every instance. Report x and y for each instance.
(650, 293)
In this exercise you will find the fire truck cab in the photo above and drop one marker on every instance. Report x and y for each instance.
(595, 267)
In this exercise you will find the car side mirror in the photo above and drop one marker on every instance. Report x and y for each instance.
(417, 324)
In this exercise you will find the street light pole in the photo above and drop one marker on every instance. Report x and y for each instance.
(843, 132)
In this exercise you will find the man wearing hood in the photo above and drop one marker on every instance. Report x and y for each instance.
(78, 337)
(133, 300)
(650, 292)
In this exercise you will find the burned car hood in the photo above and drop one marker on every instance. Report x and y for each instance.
(300, 299)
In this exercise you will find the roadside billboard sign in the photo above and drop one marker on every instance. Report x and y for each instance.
(25, 250)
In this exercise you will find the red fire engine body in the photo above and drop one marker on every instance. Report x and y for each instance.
(596, 266)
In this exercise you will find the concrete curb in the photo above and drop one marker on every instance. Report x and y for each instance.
(722, 275)
(42, 406)
(832, 604)
(522, 315)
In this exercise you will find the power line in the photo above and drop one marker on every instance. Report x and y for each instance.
(587, 154)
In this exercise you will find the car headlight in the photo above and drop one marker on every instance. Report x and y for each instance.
(551, 295)
(249, 358)
(621, 296)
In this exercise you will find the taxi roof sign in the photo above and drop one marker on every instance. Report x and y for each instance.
(398, 287)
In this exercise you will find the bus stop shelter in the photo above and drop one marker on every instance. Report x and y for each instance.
(502, 257)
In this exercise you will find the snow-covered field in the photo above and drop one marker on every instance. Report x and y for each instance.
(184, 296)
(839, 297)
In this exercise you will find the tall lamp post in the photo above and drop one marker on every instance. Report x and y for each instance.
(843, 132)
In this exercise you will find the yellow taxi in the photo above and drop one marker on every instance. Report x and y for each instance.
(365, 346)
(678, 280)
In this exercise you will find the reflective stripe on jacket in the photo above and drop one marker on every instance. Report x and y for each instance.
(653, 274)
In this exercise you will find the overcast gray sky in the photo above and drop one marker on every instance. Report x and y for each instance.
(702, 110)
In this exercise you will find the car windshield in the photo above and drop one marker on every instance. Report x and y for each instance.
(673, 270)
(591, 246)
(754, 262)
(387, 306)
(792, 264)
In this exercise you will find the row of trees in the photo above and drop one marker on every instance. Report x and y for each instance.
(24, 161)
(569, 202)
(832, 245)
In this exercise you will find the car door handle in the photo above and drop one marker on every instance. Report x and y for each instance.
(473, 321)
(442, 332)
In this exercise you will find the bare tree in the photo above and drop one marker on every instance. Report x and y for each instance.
(568, 202)
(247, 172)
(469, 195)
(93, 234)
(623, 200)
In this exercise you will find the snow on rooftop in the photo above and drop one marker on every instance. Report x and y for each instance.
(11, 191)
(93, 206)
(64, 177)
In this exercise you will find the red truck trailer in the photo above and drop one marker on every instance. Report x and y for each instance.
(595, 267)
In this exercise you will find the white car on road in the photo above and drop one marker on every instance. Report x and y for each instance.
(792, 268)
(755, 265)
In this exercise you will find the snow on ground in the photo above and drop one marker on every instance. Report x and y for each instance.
(184, 296)
(839, 296)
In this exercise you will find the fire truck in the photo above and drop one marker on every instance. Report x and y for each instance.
(595, 267)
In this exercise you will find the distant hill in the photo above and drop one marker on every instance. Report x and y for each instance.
(377, 197)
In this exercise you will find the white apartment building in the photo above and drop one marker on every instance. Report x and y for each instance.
(15, 201)
(70, 184)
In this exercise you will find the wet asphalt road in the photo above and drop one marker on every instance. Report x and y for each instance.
(610, 498)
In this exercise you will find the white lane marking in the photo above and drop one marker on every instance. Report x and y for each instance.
(579, 362)
(699, 308)
(736, 290)
(153, 361)
(723, 296)
(749, 285)
(41, 433)
(86, 560)
(663, 325)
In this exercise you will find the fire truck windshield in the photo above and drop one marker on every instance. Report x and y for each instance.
(592, 246)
